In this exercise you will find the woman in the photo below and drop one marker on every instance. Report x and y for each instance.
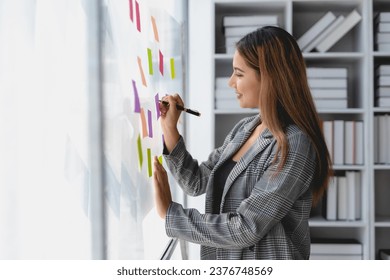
(261, 183)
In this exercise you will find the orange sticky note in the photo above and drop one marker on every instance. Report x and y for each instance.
(143, 123)
(141, 70)
(155, 30)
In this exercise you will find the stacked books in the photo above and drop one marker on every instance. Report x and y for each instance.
(225, 97)
(343, 197)
(382, 139)
(345, 141)
(382, 93)
(382, 32)
(327, 31)
(236, 27)
(336, 249)
(328, 87)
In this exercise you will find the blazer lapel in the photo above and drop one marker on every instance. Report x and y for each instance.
(261, 143)
(237, 142)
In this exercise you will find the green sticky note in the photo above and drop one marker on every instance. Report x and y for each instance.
(172, 63)
(160, 158)
(140, 157)
(149, 162)
(150, 61)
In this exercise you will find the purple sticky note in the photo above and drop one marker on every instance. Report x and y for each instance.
(137, 105)
(150, 123)
(157, 101)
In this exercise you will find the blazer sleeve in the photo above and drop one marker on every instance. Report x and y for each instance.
(270, 201)
(190, 175)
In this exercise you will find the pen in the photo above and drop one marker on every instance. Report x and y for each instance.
(181, 108)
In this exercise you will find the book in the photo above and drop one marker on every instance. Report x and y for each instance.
(383, 138)
(382, 17)
(327, 83)
(383, 80)
(359, 143)
(352, 187)
(349, 142)
(222, 82)
(327, 127)
(383, 91)
(343, 28)
(382, 37)
(326, 72)
(241, 20)
(332, 93)
(383, 102)
(383, 27)
(331, 103)
(230, 44)
(376, 139)
(225, 93)
(227, 103)
(383, 47)
(331, 200)
(330, 246)
(335, 257)
(316, 29)
(313, 44)
(338, 142)
(342, 198)
(384, 254)
(239, 31)
(382, 69)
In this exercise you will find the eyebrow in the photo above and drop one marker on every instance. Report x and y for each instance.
(239, 69)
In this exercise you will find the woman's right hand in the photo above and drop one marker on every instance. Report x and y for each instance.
(169, 119)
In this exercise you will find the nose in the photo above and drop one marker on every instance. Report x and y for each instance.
(231, 81)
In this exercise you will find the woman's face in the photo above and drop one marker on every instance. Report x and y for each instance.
(246, 83)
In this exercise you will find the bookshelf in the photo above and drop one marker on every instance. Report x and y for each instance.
(356, 51)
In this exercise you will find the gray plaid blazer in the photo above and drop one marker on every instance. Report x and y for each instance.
(263, 214)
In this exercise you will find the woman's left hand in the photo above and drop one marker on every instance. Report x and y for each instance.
(162, 192)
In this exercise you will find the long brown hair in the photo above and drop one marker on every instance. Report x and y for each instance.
(285, 97)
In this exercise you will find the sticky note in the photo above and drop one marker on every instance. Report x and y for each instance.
(157, 101)
(131, 10)
(150, 61)
(138, 16)
(160, 159)
(155, 30)
(149, 162)
(137, 106)
(161, 62)
(143, 123)
(150, 124)
(172, 63)
(139, 147)
(141, 70)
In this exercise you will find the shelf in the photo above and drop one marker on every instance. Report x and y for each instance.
(382, 167)
(355, 52)
(382, 222)
(322, 222)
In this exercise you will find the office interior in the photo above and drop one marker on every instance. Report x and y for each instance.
(79, 84)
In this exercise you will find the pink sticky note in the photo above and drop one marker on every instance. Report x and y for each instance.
(137, 15)
(161, 62)
(131, 10)
(157, 101)
(150, 124)
(137, 105)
